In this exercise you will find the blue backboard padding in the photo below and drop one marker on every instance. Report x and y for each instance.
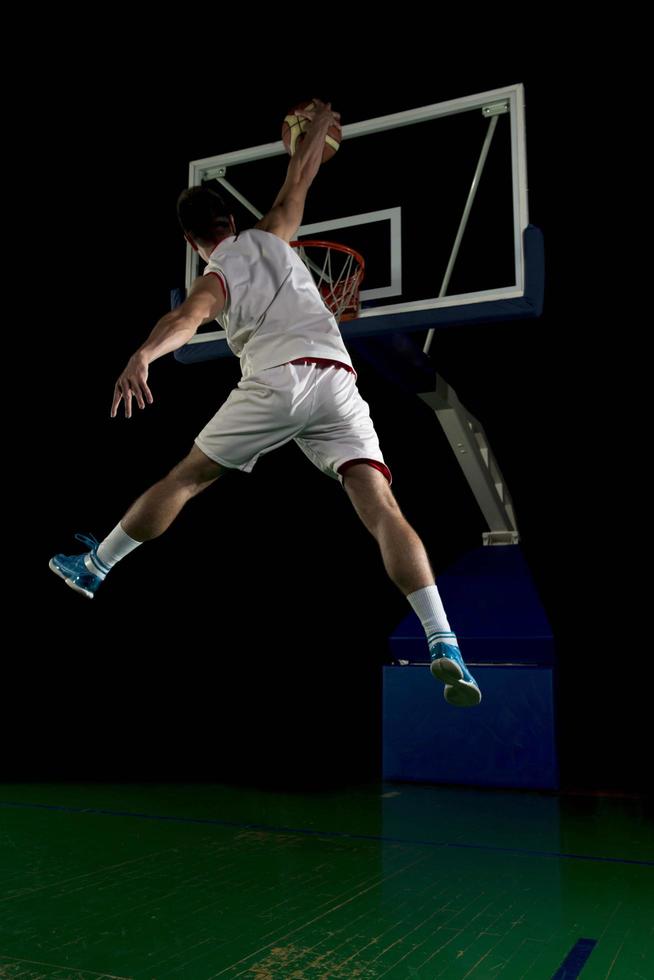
(398, 358)
(508, 740)
(492, 605)
(524, 307)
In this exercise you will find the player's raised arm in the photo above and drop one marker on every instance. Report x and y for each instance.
(285, 216)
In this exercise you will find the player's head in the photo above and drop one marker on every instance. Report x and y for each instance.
(204, 218)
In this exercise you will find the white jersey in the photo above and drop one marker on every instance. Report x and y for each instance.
(273, 312)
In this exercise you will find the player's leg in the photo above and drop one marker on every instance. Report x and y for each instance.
(157, 508)
(407, 565)
(147, 518)
(253, 420)
(341, 440)
(402, 551)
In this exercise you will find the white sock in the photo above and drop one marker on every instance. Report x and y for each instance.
(115, 546)
(428, 607)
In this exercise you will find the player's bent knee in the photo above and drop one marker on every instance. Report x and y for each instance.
(197, 469)
(371, 496)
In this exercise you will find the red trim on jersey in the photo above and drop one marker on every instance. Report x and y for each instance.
(221, 280)
(376, 465)
(322, 362)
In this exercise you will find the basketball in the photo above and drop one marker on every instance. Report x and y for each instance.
(294, 128)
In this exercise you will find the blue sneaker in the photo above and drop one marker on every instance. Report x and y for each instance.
(461, 689)
(84, 573)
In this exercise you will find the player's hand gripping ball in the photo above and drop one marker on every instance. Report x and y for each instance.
(295, 126)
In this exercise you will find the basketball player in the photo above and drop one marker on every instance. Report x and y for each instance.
(297, 383)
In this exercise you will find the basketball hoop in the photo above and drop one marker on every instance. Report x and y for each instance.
(337, 271)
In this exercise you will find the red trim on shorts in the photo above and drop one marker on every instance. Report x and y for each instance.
(376, 465)
(322, 362)
(221, 280)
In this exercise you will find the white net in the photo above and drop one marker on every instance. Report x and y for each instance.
(337, 272)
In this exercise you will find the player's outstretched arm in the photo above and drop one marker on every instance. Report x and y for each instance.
(205, 301)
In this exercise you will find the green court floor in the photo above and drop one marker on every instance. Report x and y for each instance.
(201, 881)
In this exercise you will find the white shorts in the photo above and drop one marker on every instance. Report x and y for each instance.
(319, 407)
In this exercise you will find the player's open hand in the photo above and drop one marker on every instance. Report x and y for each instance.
(132, 384)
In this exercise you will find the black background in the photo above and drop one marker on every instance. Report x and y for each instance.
(246, 643)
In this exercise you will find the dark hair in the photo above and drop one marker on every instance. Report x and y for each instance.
(202, 213)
